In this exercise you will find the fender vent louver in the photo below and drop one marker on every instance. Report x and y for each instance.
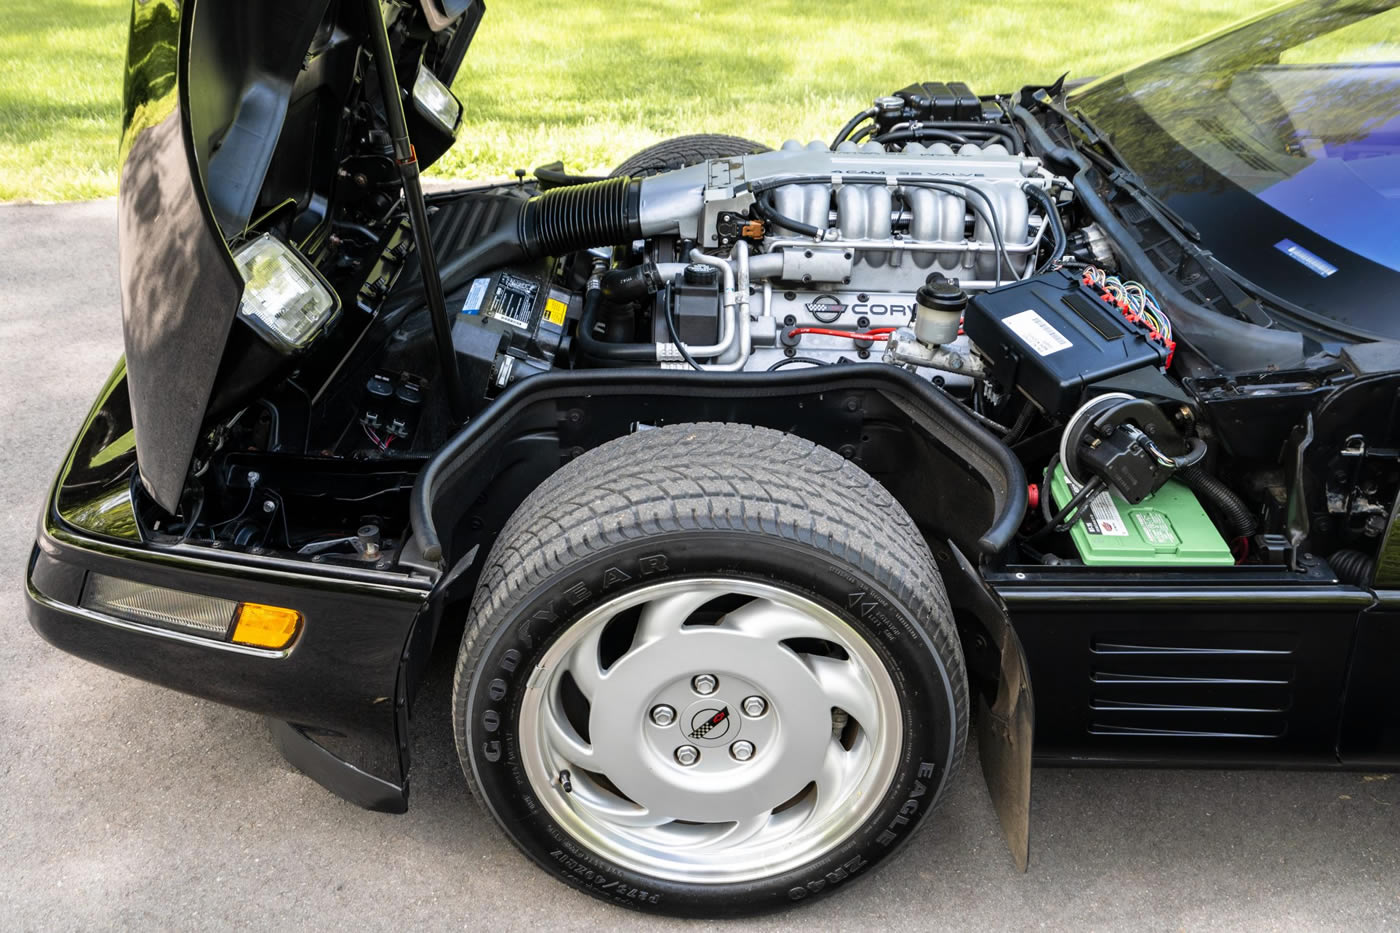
(1228, 685)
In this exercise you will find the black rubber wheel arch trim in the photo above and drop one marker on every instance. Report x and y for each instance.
(1008, 487)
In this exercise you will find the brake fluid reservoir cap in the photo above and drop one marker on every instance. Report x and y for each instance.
(941, 303)
(940, 294)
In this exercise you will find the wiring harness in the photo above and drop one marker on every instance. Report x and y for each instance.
(1136, 304)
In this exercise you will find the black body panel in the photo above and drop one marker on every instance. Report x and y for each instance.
(1370, 735)
(338, 683)
(936, 460)
(339, 687)
(1214, 669)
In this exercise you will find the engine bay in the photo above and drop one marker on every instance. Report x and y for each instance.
(933, 234)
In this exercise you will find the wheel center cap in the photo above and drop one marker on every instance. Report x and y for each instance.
(791, 738)
(710, 723)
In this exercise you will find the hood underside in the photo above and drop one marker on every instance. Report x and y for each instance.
(234, 110)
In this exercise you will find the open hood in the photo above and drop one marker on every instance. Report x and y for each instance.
(236, 111)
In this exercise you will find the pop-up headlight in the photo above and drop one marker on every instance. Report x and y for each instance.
(284, 299)
(433, 100)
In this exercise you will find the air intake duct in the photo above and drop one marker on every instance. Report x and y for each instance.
(600, 213)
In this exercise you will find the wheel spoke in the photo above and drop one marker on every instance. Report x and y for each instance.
(763, 618)
(584, 665)
(665, 616)
(846, 686)
(562, 737)
(741, 831)
(835, 777)
(611, 808)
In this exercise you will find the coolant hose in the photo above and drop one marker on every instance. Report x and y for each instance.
(1239, 520)
(631, 283)
(601, 349)
(851, 124)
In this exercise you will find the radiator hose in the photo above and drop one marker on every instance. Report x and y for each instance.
(602, 349)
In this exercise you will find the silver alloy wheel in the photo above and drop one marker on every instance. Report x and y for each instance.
(807, 784)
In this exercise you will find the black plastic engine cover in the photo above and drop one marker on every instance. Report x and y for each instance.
(1050, 336)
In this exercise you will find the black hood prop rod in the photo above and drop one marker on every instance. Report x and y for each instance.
(407, 160)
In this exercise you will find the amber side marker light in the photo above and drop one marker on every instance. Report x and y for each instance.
(265, 626)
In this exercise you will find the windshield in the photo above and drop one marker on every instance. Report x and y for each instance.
(1280, 140)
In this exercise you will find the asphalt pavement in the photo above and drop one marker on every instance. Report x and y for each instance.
(124, 805)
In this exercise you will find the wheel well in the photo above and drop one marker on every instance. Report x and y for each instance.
(956, 480)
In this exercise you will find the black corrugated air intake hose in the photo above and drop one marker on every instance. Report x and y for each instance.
(599, 213)
(556, 222)
(1239, 520)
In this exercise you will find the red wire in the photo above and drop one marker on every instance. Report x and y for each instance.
(878, 333)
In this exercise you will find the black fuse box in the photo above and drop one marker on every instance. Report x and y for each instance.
(1051, 336)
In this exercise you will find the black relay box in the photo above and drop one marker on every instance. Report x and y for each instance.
(1051, 336)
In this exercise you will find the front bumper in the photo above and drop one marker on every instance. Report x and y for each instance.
(337, 696)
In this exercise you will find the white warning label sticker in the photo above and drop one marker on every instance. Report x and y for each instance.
(1037, 332)
(1103, 517)
(1155, 527)
(475, 296)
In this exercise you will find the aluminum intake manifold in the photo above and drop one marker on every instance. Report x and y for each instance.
(886, 219)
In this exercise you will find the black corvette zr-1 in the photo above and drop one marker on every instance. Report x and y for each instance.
(746, 482)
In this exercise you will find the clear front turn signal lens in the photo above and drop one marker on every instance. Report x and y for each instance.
(252, 624)
(284, 298)
(159, 606)
(265, 626)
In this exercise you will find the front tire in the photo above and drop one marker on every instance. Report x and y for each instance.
(709, 670)
(681, 151)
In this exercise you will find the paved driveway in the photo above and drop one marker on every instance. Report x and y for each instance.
(124, 805)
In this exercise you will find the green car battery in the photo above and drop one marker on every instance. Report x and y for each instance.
(1168, 527)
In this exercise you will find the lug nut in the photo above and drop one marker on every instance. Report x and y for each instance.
(755, 707)
(687, 755)
(741, 750)
(663, 715)
(705, 684)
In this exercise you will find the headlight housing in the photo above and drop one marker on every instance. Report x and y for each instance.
(284, 299)
(435, 101)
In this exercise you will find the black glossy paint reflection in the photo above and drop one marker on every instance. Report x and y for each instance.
(180, 289)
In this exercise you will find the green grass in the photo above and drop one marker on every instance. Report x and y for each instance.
(593, 84)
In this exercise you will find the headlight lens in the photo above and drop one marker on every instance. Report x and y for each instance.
(434, 100)
(283, 297)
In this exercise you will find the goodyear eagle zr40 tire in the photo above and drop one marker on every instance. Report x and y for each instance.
(709, 670)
